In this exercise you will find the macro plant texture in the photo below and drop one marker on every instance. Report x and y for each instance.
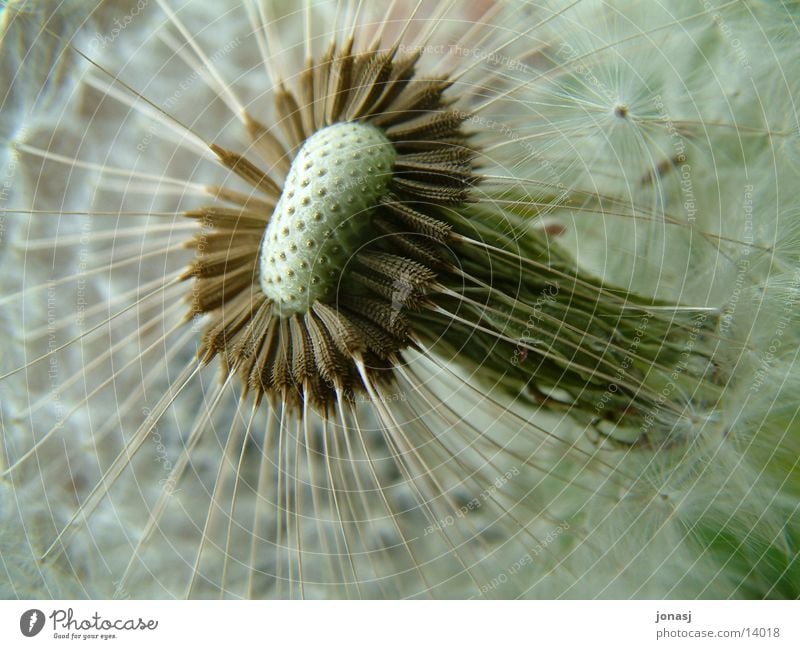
(400, 299)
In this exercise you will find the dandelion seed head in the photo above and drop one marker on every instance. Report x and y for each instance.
(358, 177)
(347, 237)
(399, 375)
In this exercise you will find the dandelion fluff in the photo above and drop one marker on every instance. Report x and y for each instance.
(550, 351)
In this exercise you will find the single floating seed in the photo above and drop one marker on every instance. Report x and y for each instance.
(335, 207)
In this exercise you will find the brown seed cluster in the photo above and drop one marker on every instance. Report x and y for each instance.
(316, 355)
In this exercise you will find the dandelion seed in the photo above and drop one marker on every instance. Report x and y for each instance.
(424, 373)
